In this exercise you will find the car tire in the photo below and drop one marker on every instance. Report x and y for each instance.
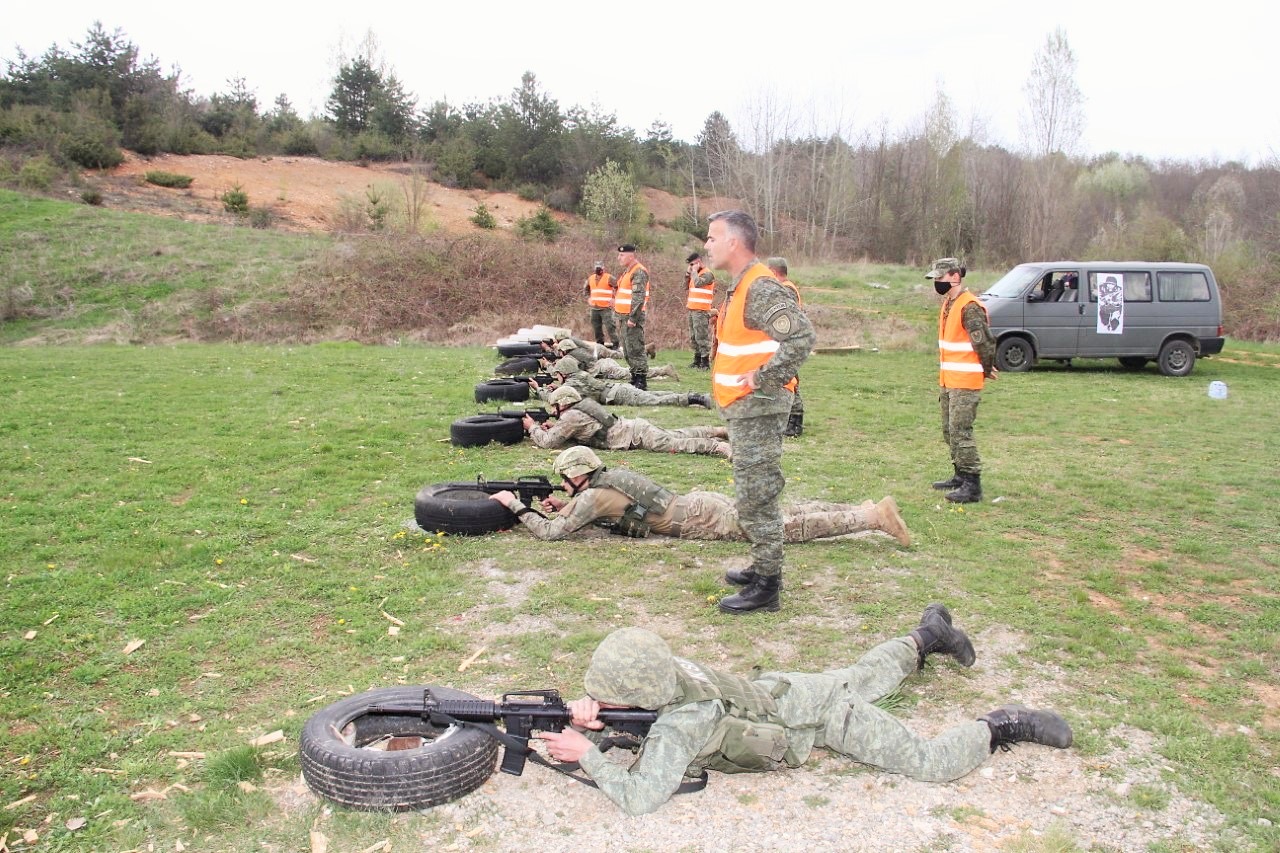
(1133, 362)
(510, 350)
(511, 390)
(517, 366)
(479, 430)
(1015, 355)
(338, 765)
(460, 509)
(1176, 358)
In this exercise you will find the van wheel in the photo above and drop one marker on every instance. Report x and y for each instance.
(1014, 355)
(1177, 358)
(1133, 362)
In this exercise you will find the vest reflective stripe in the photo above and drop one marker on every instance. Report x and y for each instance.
(622, 303)
(700, 297)
(740, 350)
(601, 287)
(958, 362)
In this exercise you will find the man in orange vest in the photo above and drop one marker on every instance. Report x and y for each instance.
(631, 304)
(762, 339)
(966, 356)
(599, 291)
(700, 283)
(795, 421)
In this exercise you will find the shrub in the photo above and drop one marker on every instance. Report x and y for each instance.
(541, 226)
(236, 200)
(86, 148)
(168, 179)
(37, 173)
(562, 199)
(91, 196)
(300, 143)
(260, 217)
(482, 218)
(529, 192)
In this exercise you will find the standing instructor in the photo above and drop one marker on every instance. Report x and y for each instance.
(631, 304)
(763, 337)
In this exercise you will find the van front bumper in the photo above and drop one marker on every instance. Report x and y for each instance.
(1211, 346)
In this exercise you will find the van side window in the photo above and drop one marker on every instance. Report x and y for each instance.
(1137, 285)
(1182, 286)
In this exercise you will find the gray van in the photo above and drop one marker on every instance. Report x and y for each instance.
(1135, 311)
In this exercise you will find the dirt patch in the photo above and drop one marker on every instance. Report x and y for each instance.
(302, 193)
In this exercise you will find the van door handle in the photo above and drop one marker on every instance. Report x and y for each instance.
(1080, 310)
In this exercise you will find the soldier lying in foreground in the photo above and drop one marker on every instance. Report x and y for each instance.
(580, 421)
(633, 505)
(709, 719)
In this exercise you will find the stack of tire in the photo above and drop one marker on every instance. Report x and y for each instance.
(521, 352)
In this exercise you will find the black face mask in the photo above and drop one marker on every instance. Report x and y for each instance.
(941, 286)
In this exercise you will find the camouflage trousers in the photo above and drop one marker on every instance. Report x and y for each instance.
(711, 515)
(700, 333)
(797, 405)
(633, 342)
(603, 326)
(628, 395)
(834, 710)
(758, 483)
(639, 434)
(607, 368)
(959, 410)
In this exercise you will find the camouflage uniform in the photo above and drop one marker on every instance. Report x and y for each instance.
(702, 713)
(756, 421)
(960, 405)
(633, 335)
(579, 425)
(607, 368)
(622, 394)
(697, 515)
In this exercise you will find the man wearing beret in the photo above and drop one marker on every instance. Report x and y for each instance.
(700, 283)
(631, 304)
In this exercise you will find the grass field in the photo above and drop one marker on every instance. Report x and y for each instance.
(203, 544)
(242, 510)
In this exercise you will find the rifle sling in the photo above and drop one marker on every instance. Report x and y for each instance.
(567, 768)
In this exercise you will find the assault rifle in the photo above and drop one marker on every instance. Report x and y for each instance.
(520, 713)
(529, 488)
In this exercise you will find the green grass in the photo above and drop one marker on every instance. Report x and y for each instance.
(242, 510)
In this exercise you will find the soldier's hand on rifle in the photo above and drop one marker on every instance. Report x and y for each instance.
(528, 423)
(584, 712)
(568, 745)
(505, 498)
(555, 505)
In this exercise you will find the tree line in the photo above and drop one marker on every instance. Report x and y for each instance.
(819, 188)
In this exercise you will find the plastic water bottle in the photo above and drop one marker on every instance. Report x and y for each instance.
(1218, 390)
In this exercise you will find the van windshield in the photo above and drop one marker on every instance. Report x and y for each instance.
(1015, 281)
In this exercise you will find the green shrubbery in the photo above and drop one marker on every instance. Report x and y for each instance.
(482, 218)
(236, 200)
(541, 226)
(168, 179)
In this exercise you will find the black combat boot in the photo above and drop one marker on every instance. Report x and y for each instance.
(760, 594)
(696, 363)
(640, 379)
(706, 362)
(744, 577)
(795, 426)
(1012, 724)
(936, 636)
(947, 485)
(703, 400)
(970, 490)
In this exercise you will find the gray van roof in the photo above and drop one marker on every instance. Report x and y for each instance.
(1166, 265)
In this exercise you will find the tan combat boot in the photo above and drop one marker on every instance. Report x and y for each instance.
(890, 521)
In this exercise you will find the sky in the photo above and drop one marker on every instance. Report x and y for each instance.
(1191, 86)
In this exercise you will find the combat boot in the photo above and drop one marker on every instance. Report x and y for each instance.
(744, 577)
(651, 350)
(703, 400)
(706, 362)
(795, 426)
(760, 594)
(696, 363)
(937, 636)
(1012, 724)
(640, 380)
(890, 521)
(947, 485)
(970, 490)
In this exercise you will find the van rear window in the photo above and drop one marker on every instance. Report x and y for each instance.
(1182, 286)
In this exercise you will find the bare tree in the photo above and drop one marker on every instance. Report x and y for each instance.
(1052, 128)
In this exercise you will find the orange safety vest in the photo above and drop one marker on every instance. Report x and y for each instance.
(958, 362)
(740, 350)
(700, 297)
(601, 288)
(622, 303)
(791, 285)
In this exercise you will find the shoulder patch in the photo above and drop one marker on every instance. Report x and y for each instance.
(781, 324)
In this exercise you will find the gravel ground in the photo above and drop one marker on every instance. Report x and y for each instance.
(831, 803)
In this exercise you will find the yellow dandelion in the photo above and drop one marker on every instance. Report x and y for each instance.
(50, 566)
(342, 621)
(244, 501)
(218, 562)
(352, 588)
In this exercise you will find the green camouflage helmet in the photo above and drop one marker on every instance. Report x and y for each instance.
(632, 667)
(575, 462)
(567, 365)
(565, 395)
(567, 345)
